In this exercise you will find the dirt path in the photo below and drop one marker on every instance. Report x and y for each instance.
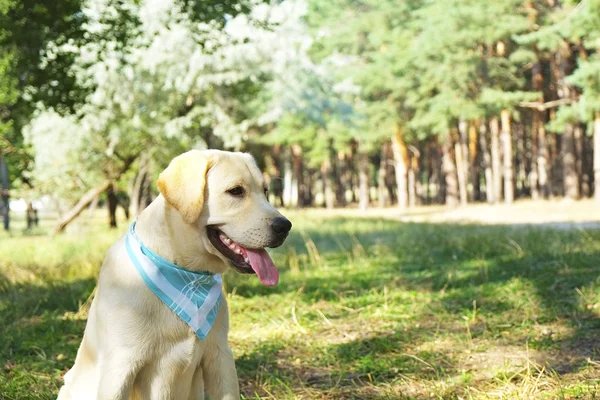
(561, 214)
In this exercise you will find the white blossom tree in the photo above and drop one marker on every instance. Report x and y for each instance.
(161, 85)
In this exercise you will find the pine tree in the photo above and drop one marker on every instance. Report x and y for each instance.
(585, 28)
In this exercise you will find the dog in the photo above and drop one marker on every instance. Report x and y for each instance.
(142, 339)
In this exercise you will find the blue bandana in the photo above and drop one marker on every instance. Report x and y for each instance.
(194, 296)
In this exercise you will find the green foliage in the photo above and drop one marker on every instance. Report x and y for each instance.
(573, 23)
(497, 100)
(159, 80)
(586, 28)
(587, 77)
(368, 43)
(412, 71)
(26, 27)
(134, 75)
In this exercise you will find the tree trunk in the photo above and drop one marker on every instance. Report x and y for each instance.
(562, 67)
(363, 177)
(597, 157)
(382, 191)
(88, 197)
(508, 157)
(463, 130)
(112, 202)
(351, 170)
(298, 172)
(449, 172)
(522, 184)
(32, 215)
(556, 176)
(462, 184)
(414, 190)
(496, 163)
(419, 167)
(428, 158)
(355, 187)
(412, 193)
(4, 194)
(543, 161)
(569, 161)
(85, 200)
(441, 176)
(587, 172)
(290, 185)
(533, 172)
(535, 175)
(578, 136)
(400, 165)
(276, 185)
(308, 189)
(487, 164)
(390, 178)
(475, 162)
(342, 181)
(326, 172)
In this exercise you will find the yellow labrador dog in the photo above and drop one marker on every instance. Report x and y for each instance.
(158, 325)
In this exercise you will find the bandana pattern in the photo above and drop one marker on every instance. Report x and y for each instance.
(194, 296)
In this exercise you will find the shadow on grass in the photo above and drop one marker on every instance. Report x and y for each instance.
(520, 277)
(343, 371)
(38, 344)
(558, 270)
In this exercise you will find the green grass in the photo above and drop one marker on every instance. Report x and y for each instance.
(365, 309)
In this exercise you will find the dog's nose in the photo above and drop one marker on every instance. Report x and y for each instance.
(281, 225)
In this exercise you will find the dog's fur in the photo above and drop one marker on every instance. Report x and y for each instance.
(135, 347)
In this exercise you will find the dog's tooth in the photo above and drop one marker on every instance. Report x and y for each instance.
(246, 260)
(226, 240)
(238, 251)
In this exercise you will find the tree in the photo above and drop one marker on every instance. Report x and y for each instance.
(585, 27)
(155, 86)
(319, 91)
(26, 27)
(369, 41)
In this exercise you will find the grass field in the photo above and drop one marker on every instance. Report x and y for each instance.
(366, 309)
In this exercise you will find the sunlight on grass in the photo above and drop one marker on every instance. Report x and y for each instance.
(366, 308)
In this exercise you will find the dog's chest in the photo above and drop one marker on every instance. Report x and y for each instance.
(168, 337)
(174, 342)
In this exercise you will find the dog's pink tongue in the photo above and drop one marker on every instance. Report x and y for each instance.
(261, 263)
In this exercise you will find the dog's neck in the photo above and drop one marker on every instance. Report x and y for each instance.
(162, 229)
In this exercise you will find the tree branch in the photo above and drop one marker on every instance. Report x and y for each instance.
(545, 106)
(89, 196)
(85, 200)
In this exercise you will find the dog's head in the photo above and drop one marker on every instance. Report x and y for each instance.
(223, 196)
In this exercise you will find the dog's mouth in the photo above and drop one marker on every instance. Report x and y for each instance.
(244, 260)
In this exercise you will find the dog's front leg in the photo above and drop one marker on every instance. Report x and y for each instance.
(117, 375)
(220, 376)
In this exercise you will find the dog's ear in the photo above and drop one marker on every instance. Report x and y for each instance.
(182, 183)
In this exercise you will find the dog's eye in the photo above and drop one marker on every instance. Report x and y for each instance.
(237, 191)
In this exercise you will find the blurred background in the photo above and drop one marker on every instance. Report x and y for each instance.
(343, 103)
(439, 159)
